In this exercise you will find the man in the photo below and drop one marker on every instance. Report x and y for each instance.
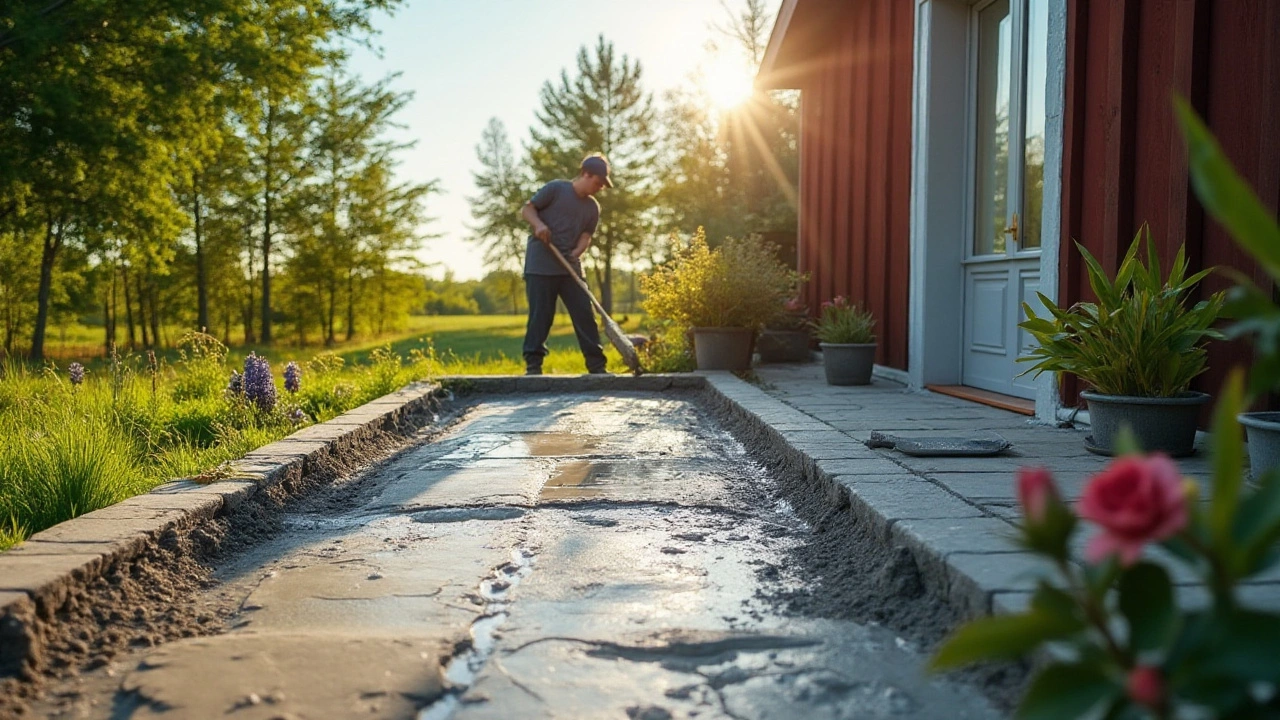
(563, 213)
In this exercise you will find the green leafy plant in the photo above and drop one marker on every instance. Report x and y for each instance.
(842, 322)
(1139, 339)
(738, 284)
(1124, 643)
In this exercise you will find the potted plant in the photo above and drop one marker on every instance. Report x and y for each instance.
(720, 296)
(1230, 200)
(848, 344)
(786, 337)
(1138, 348)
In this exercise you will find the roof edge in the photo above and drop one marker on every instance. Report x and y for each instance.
(768, 65)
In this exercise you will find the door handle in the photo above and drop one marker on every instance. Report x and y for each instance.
(1012, 230)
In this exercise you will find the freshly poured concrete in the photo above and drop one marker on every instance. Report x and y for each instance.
(569, 556)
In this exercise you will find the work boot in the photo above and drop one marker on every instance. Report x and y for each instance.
(599, 371)
(531, 370)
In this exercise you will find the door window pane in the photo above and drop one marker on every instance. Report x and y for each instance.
(995, 54)
(1033, 155)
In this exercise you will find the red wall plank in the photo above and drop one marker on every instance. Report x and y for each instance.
(856, 167)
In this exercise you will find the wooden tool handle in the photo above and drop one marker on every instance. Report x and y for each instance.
(581, 283)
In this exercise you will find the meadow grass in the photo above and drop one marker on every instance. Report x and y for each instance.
(130, 426)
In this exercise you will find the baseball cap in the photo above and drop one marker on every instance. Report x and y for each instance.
(597, 165)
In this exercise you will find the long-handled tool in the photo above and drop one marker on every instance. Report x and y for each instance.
(611, 328)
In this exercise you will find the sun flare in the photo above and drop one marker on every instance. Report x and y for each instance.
(728, 82)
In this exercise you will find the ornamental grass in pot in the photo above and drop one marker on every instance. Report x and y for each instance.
(720, 296)
(846, 335)
(1138, 348)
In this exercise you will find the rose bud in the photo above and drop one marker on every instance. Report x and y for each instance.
(1146, 686)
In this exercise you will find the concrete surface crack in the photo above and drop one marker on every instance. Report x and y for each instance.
(461, 671)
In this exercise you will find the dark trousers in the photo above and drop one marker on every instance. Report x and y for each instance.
(542, 291)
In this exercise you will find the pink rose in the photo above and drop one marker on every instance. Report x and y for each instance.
(1135, 500)
(1146, 686)
(1035, 491)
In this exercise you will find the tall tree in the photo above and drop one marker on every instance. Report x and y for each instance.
(603, 108)
(731, 170)
(503, 188)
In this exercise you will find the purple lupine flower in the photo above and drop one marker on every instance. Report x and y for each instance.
(76, 371)
(297, 416)
(259, 386)
(235, 385)
(292, 377)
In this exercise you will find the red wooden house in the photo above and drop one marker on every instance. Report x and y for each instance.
(953, 150)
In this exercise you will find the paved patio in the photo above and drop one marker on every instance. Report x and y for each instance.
(956, 514)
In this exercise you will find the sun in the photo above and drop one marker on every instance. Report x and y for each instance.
(728, 81)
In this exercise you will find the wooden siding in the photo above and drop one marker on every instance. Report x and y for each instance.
(1125, 159)
(856, 167)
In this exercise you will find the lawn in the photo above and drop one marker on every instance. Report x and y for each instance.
(463, 345)
(129, 426)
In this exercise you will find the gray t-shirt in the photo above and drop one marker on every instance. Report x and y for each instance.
(568, 216)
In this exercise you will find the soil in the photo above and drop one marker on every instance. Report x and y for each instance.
(163, 593)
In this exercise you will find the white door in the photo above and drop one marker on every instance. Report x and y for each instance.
(1008, 42)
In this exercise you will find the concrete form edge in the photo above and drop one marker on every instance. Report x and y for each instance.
(751, 405)
(38, 575)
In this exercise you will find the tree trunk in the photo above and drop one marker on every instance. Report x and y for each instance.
(331, 314)
(142, 310)
(49, 256)
(202, 280)
(606, 285)
(153, 303)
(351, 305)
(266, 272)
(128, 308)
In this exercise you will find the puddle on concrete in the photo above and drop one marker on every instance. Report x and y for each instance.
(452, 515)
(572, 480)
(552, 444)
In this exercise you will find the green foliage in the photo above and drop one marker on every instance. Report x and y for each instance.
(503, 188)
(843, 322)
(739, 284)
(200, 357)
(1140, 339)
(1133, 650)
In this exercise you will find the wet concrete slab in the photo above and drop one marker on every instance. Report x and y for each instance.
(551, 556)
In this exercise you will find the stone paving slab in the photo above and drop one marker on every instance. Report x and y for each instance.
(956, 514)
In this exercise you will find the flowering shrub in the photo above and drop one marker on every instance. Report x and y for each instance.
(292, 377)
(740, 283)
(1124, 644)
(844, 322)
(794, 316)
(259, 386)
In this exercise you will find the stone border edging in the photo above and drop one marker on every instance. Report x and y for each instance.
(38, 575)
(900, 506)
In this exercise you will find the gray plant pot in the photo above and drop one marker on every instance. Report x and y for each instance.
(781, 346)
(1263, 431)
(1165, 425)
(723, 348)
(848, 363)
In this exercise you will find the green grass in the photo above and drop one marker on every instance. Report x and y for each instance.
(70, 450)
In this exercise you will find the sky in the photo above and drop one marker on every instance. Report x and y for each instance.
(467, 61)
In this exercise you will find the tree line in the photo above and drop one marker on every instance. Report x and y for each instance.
(201, 163)
(677, 165)
(213, 164)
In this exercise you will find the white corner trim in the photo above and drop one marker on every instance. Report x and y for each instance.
(918, 204)
(892, 374)
(1048, 396)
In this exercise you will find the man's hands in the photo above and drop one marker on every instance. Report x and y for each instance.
(542, 232)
